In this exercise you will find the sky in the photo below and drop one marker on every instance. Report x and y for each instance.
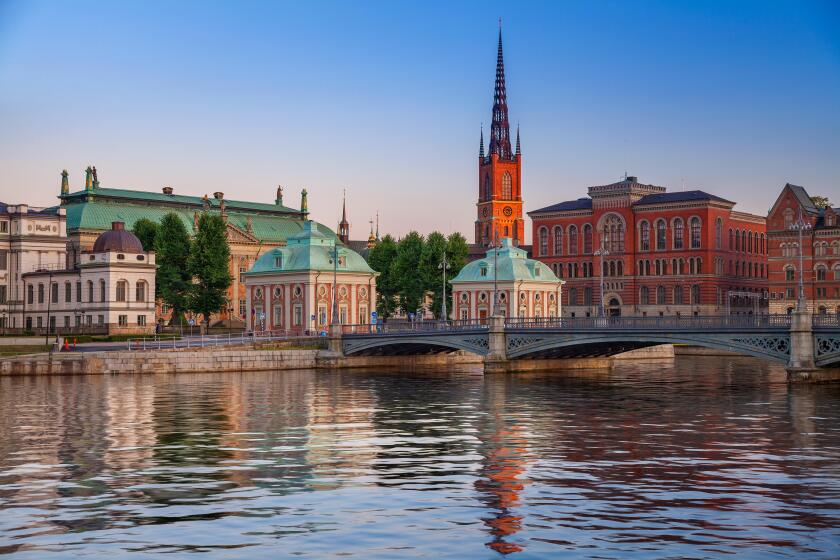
(385, 100)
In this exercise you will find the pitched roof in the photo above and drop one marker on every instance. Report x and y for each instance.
(584, 203)
(804, 200)
(680, 196)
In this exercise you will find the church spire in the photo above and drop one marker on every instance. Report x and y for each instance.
(344, 225)
(518, 150)
(481, 143)
(500, 129)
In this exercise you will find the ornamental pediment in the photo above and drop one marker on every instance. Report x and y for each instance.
(236, 235)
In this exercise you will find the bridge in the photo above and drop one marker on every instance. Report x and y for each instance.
(804, 344)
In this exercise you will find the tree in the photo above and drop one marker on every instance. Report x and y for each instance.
(821, 201)
(430, 260)
(406, 269)
(172, 247)
(380, 259)
(146, 231)
(209, 264)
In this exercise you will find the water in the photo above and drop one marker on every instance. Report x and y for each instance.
(707, 457)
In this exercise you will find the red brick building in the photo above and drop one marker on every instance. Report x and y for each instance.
(678, 253)
(499, 206)
(820, 257)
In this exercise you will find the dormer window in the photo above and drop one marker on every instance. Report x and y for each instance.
(342, 261)
(93, 257)
(141, 257)
(537, 271)
(278, 261)
(120, 257)
(484, 271)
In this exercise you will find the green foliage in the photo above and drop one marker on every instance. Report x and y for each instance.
(146, 231)
(209, 263)
(430, 261)
(407, 272)
(821, 201)
(381, 259)
(172, 248)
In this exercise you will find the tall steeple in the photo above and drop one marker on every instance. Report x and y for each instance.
(500, 129)
(518, 150)
(481, 143)
(344, 225)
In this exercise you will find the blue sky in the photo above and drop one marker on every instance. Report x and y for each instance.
(386, 98)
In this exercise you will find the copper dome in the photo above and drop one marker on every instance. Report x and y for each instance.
(117, 240)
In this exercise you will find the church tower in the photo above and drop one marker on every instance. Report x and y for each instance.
(344, 225)
(499, 173)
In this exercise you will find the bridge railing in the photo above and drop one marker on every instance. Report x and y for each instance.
(416, 326)
(826, 320)
(659, 323)
(229, 339)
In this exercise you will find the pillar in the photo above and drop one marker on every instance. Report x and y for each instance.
(496, 360)
(801, 367)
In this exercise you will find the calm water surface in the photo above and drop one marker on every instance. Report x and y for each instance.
(702, 458)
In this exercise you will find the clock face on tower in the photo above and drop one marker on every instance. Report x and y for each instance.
(484, 211)
(507, 211)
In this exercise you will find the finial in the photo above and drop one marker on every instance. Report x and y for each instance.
(304, 204)
(88, 178)
(95, 178)
(377, 225)
(65, 182)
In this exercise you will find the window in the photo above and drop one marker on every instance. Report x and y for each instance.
(141, 320)
(644, 295)
(3, 295)
(3, 257)
(507, 190)
(278, 261)
(363, 315)
(40, 293)
(573, 299)
(30, 294)
(613, 234)
(696, 232)
(488, 193)
(102, 291)
(242, 270)
(277, 316)
(644, 236)
(40, 322)
(140, 291)
(122, 288)
(678, 233)
(695, 294)
(243, 306)
(298, 316)
(660, 235)
(719, 234)
(543, 241)
(54, 292)
(678, 295)
(789, 273)
(573, 240)
(342, 314)
(4, 227)
(483, 271)
(821, 273)
(78, 291)
(788, 218)
(122, 320)
(68, 292)
(837, 272)
(587, 239)
(587, 296)
(558, 240)
(90, 290)
(660, 295)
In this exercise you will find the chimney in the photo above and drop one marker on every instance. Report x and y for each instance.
(218, 195)
(117, 226)
(167, 190)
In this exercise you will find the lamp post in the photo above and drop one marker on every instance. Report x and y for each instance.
(800, 226)
(49, 309)
(495, 271)
(3, 317)
(443, 266)
(602, 252)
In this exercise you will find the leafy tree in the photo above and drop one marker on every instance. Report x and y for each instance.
(380, 259)
(821, 201)
(430, 260)
(209, 263)
(146, 231)
(172, 247)
(406, 269)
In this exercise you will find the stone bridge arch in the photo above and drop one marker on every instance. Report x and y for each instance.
(419, 343)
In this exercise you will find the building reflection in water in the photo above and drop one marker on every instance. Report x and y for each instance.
(504, 462)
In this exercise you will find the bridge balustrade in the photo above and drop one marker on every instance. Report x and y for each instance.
(690, 322)
(416, 326)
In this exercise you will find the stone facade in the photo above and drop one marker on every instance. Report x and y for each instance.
(820, 257)
(666, 253)
(30, 239)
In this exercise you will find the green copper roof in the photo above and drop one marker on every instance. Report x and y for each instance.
(513, 264)
(174, 199)
(310, 250)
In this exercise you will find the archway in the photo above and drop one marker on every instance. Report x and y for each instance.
(613, 307)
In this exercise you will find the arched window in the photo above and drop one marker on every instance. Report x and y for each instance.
(789, 273)
(737, 240)
(660, 295)
(543, 241)
(788, 217)
(102, 296)
(558, 240)
(507, 190)
(678, 233)
(644, 295)
(837, 271)
(695, 294)
(762, 250)
(587, 239)
(731, 240)
(698, 266)
(819, 249)
(644, 236)
(90, 290)
(660, 235)
(678, 295)
(122, 289)
(573, 299)
(696, 233)
(822, 272)
(613, 233)
(573, 240)
(488, 192)
(750, 242)
(719, 234)
(744, 241)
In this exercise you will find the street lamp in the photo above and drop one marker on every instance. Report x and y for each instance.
(3, 317)
(602, 252)
(495, 271)
(800, 226)
(334, 260)
(443, 266)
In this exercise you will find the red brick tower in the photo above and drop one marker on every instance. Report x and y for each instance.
(499, 173)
